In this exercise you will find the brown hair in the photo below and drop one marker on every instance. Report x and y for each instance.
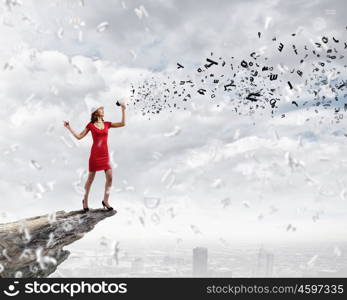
(94, 117)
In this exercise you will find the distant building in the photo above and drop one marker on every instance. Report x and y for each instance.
(220, 272)
(137, 265)
(335, 273)
(170, 260)
(199, 262)
(265, 263)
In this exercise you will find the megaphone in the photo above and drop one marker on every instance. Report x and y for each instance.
(118, 103)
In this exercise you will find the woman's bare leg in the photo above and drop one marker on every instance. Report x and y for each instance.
(87, 186)
(108, 185)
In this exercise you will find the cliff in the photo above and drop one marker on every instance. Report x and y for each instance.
(33, 247)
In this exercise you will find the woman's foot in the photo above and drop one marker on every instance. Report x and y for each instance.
(108, 207)
(85, 208)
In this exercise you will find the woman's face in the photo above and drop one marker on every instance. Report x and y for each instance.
(101, 112)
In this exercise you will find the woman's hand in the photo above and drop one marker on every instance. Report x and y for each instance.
(66, 124)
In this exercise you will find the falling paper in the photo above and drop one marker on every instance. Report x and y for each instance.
(102, 26)
(151, 202)
(141, 11)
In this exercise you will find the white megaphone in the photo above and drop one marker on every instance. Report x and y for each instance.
(118, 103)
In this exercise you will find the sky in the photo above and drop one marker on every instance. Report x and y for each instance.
(203, 173)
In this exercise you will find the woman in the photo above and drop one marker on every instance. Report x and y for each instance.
(99, 157)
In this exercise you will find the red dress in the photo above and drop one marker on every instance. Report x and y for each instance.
(99, 158)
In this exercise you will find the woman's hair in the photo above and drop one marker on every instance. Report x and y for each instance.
(94, 117)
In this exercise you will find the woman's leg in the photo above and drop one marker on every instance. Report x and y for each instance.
(108, 185)
(87, 186)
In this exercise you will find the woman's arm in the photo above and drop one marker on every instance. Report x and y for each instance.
(77, 136)
(121, 123)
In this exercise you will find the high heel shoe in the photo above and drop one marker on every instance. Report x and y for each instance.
(104, 205)
(85, 209)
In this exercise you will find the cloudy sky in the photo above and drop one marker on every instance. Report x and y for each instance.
(202, 173)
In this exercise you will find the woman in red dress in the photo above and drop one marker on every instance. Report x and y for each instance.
(99, 156)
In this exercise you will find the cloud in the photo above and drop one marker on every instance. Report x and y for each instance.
(51, 78)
